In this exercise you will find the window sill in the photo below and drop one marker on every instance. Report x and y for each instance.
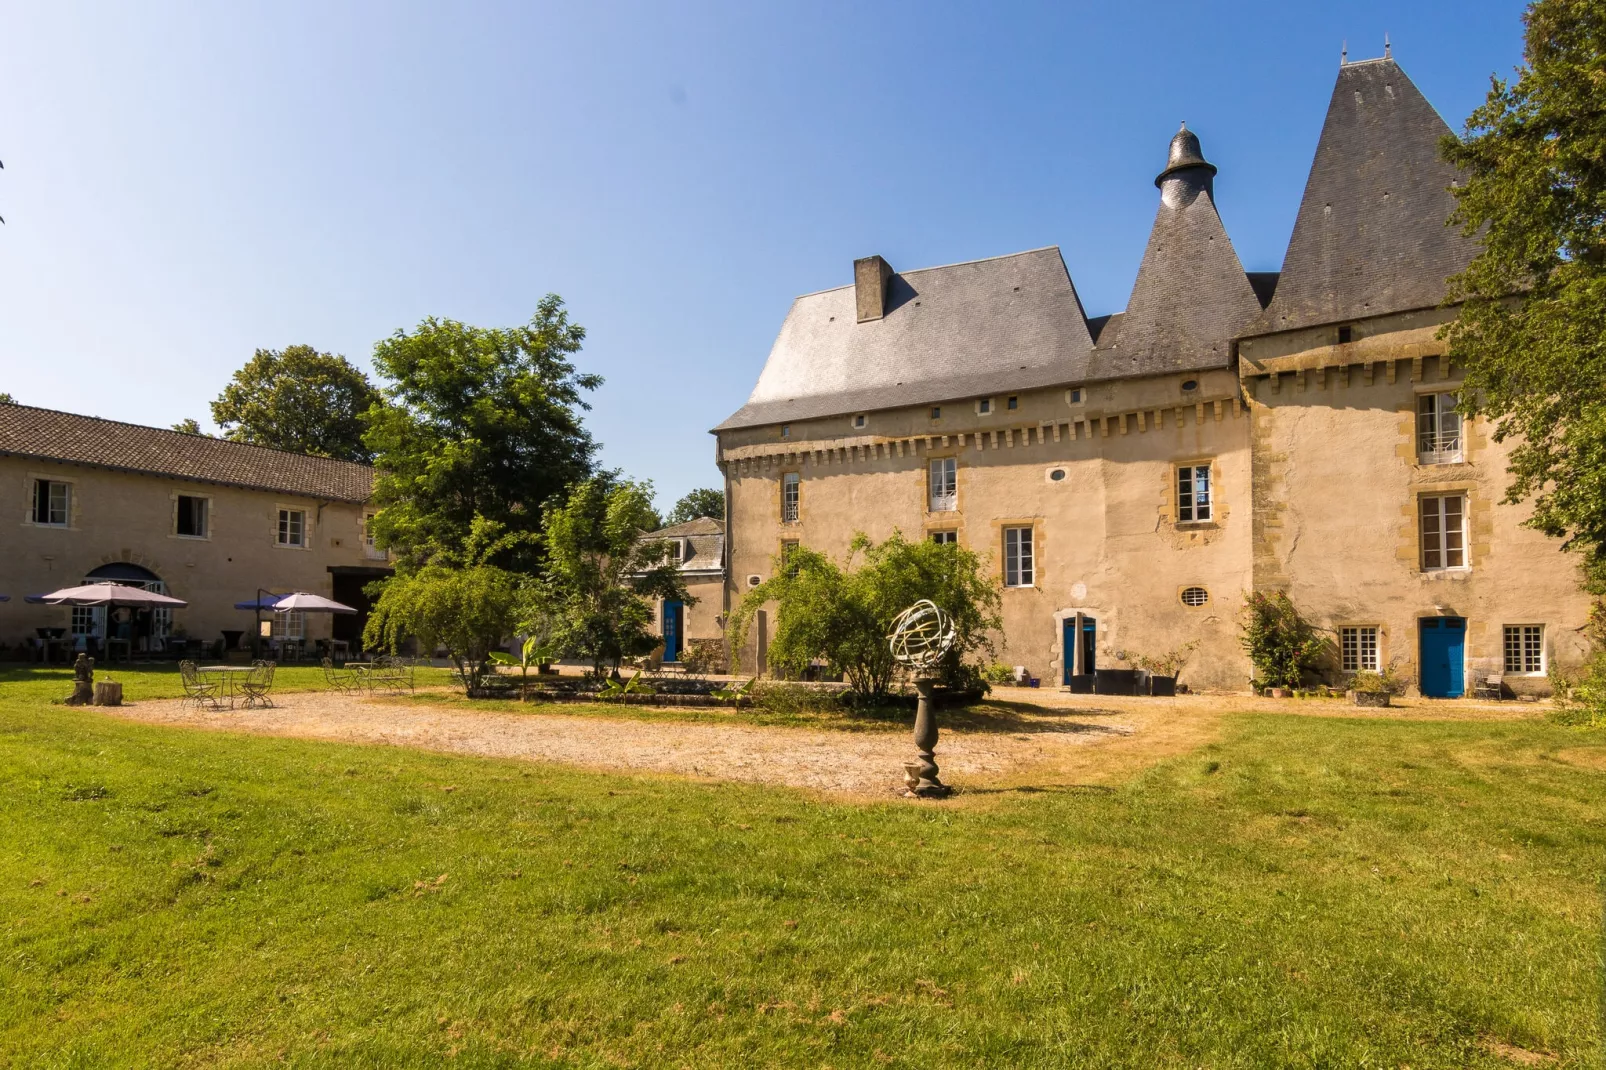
(1197, 525)
(192, 538)
(1456, 570)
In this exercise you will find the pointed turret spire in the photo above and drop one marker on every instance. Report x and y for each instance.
(1191, 296)
(1370, 237)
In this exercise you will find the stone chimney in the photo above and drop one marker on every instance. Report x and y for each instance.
(870, 278)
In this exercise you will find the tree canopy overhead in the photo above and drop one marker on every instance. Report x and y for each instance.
(1531, 330)
(477, 423)
(298, 399)
(704, 501)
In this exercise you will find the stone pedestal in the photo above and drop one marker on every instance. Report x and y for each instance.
(921, 774)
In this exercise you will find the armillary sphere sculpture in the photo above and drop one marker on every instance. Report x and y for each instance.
(919, 639)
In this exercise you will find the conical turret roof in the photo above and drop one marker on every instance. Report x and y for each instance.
(1370, 236)
(1191, 297)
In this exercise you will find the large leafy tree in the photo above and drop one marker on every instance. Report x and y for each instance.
(841, 613)
(1531, 330)
(704, 501)
(298, 399)
(600, 574)
(477, 423)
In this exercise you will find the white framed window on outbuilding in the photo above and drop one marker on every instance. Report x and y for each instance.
(1357, 646)
(791, 497)
(1444, 531)
(1019, 562)
(1525, 649)
(1438, 429)
(944, 484)
(1194, 503)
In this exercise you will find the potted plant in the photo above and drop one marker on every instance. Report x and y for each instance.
(1368, 689)
(1162, 670)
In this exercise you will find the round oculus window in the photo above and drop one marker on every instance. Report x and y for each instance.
(1190, 384)
(1194, 597)
(1057, 474)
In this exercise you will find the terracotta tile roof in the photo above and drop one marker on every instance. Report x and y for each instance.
(72, 439)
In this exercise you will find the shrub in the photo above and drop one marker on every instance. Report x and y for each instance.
(1280, 643)
(840, 614)
(467, 610)
(1581, 695)
(1167, 664)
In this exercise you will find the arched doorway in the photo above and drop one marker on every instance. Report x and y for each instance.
(140, 627)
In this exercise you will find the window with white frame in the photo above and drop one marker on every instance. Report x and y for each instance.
(1444, 535)
(1525, 648)
(945, 538)
(944, 484)
(88, 620)
(292, 527)
(1193, 493)
(370, 539)
(1018, 562)
(791, 488)
(191, 518)
(1438, 429)
(292, 625)
(52, 503)
(1358, 648)
(984, 406)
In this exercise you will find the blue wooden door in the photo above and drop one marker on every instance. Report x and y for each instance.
(674, 615)
(1068, 649)
(1068, 646)
(1444, 641)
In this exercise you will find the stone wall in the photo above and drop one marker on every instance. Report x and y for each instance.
(126, 517)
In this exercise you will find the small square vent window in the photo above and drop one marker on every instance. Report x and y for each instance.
(936, 412)
(1194, 597)
(1075, 395)
(1014, 402)
(984, 406)
(1346, 335)
(860, 420)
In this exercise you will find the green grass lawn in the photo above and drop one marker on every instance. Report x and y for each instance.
(1306, 892)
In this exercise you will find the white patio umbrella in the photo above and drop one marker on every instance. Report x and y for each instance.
(109, 594)
(302, 602)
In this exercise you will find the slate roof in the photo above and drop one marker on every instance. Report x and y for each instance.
(707, 539)
(1191, 297)
(1370, 236)
(50, 435)
(958, 331)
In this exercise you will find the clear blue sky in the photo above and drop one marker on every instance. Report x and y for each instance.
(184, 183)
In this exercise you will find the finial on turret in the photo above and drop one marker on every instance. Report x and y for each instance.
(1388, 49)
(1343, 54)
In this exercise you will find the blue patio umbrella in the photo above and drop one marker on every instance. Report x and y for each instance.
(263, 600)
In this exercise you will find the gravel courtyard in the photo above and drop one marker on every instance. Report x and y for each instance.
(852, 763)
